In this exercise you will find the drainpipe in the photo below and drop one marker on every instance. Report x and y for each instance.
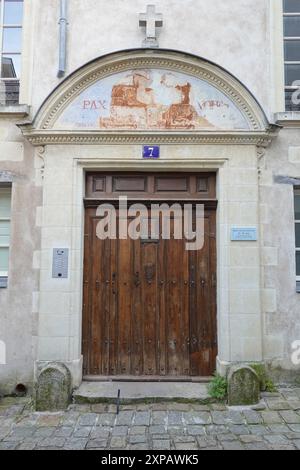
(63, 22)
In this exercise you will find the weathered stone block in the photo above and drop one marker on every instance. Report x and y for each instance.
(243, 386)
(53, 388)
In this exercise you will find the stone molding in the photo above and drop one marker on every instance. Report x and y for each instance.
(41, 131)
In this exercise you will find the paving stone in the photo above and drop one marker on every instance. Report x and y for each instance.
(120, 431)
(290, 417)
(162, 445)
(44, 432)
(175, 418)
(97, 444)
(75, 444)
(100, 432)
(235, 445)
(18, 434)
(184, 439)
(258, 430)
(218, 407)
(63, 432)
(197, 418)
(159, 417)
(142, 418)
(290, 395)
(137, 430)
(118, 443)
(99, 408)
(106, 419)
(124, 418)
(278, 405)
(176, 430)
(216, 430)
(219, 417)
(297, 444)
(186, 446)
(235, 417)
(278, 428)
(294, 427)
(259, 407)
(157, 429)
(9, 445)
(271, 417)
(252, 417)
(179, 407)
(70, 419)
(138, 439)
(4, 431)
(83, 431)
(49, 420)
(276, 439)
(226, 437)
(239, 430)
(57, 442)
(258, 446)
(295, 405)
(138, 447)
(196, 430)
(201, 408)
(206, 442)
(26, 447)
(250, 439)
(88, 419)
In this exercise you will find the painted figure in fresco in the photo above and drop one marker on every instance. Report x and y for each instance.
(134, 104)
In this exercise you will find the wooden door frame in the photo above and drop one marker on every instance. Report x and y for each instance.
(210, 204)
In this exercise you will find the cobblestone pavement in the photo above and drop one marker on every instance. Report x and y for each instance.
(272, 425)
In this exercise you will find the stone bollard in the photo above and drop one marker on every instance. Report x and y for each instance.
(53, 388)
(243, 386)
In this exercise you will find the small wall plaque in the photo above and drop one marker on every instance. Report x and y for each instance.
(151, 151)
(244, 234)
(60, 263)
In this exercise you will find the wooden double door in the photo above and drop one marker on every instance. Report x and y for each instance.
(149, 303)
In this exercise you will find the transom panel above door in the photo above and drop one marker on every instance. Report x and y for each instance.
(149, 304)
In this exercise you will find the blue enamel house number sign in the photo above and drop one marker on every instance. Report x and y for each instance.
(151, 151)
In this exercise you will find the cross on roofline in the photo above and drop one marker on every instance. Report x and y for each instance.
(151, 20)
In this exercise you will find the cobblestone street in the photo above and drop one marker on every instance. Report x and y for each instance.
(272, 425)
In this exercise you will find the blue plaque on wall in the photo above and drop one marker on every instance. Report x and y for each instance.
(151, 151)
(244, 234)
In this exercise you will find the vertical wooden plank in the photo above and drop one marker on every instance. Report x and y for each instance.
(124, 305)
(113, 312)
(137, 312)
(162, 292)
(149, 306)
(86, 294)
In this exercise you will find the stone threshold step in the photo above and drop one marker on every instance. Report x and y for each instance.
(141, 392)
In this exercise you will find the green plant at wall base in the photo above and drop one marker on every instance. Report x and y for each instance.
(266, 384)
(218, 388)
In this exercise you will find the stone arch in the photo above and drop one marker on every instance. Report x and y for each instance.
(138, 92)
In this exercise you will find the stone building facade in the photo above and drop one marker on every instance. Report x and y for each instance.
(213, 96)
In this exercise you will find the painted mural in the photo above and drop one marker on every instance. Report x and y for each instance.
(152, 100)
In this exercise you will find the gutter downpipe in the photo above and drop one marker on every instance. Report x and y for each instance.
(63, 22)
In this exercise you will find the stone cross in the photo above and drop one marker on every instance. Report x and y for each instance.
(151, 20)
